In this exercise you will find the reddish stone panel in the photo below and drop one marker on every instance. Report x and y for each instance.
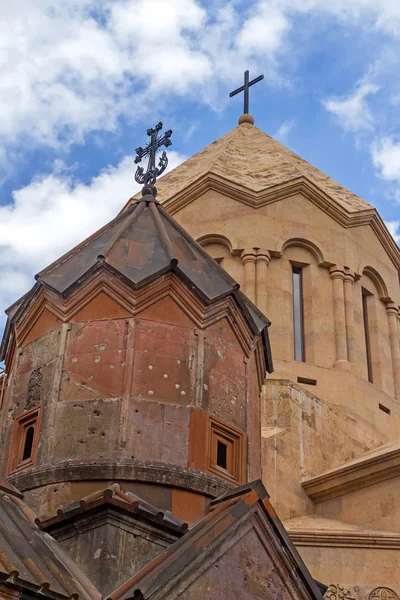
(144, 432)
(45, 323)
(163, 360)
(166, 310)
(224, 374)
(94, 361)
(198, 439)
(158, 432)
(101, 307)
(175, 435)
(253, 421)
(34, 373)
(85, 430)
(188, 506)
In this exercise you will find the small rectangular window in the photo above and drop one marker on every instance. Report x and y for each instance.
(298, 315)
(25, 440)
(306, 381)
(221, 454)
(226, 451)
(365, 296)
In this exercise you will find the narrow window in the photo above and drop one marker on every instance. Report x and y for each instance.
(221, 454)
(28, 445)
(365, 295)
(298, 316)
(227, 451)
(25, 440)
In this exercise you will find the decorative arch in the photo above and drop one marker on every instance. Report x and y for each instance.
(217, 238)
(378, 282)
(310, 245)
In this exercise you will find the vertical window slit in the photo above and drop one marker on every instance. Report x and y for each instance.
(28, 444)
(221, 455)
(366, 334)
(298, 315)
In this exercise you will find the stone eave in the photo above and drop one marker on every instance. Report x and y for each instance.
(355, 475)
(301, 185)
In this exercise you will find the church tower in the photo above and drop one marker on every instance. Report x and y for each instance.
(320, 262)
(130, 424)
(135, 364)
(135, 358)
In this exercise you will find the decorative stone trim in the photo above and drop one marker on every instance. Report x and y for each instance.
(248, 257)
(354, 476)
(132, 470)
(337, 276)
(301, 185)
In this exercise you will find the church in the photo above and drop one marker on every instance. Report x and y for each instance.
(201, 400)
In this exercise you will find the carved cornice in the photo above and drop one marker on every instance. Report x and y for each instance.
(300, 185)
(359, 539)
(354, 476)
(121, 470)
(136, 301)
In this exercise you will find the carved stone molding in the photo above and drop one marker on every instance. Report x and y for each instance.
(339, 592)
(383, 593)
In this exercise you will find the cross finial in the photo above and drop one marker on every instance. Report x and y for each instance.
(149, 178)
(245, 88)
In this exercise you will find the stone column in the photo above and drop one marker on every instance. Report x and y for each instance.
(248, 257)
(349, 313)
(337, 276)
(262, 261)
(392, 312)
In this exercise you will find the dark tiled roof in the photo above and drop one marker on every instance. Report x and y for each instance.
(163, 570)
(31, 559)
(114, 496)
(139, 245)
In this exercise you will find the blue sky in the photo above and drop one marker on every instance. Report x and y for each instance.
(81, 81)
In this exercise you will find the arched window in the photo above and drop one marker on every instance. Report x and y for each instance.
(373, 353)
(298, 315)
(25, 440)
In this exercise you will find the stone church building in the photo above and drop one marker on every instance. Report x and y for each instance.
(150, 448)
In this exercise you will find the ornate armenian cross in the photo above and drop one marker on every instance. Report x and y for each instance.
(245, 89)
(150, 150)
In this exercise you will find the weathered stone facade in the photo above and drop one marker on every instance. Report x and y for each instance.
(135, 357)
(260, 210)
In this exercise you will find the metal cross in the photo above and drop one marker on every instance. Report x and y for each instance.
(152, 172)
(245, 89)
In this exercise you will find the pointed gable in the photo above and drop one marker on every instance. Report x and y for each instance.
(240, 550)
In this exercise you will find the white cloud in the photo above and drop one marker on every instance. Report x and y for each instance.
(71, 68)
(394, 230)
(264, 31)
(54, 213)
(386, 158)
(352, 111)
(283, 131)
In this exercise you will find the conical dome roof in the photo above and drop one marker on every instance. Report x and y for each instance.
(248, 157)
(140, 245)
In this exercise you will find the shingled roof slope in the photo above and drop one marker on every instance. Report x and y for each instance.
(113, 496)
(31, 559)
(248, 157)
